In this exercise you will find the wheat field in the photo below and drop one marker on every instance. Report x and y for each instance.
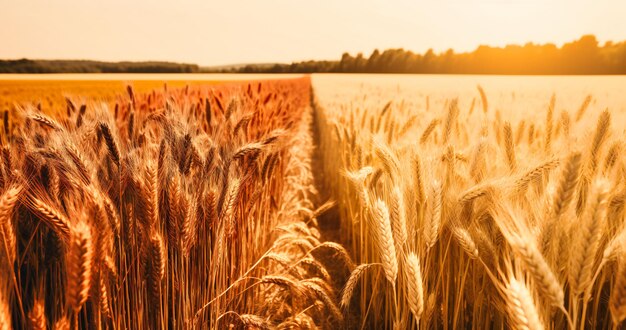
(460, 214)
(323, 204)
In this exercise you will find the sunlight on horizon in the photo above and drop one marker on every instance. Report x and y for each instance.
(230, 32)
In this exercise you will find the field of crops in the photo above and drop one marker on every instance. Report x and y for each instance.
(49, 91)
(50, 95)
(345, 202)
(464, 214)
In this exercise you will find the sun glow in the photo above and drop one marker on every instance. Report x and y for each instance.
(212, 33)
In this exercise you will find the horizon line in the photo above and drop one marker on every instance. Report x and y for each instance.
(436, 52)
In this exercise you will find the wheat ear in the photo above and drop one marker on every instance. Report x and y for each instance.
(415, 289)
(586, 243)
(383, 239)
(353, 280)
(522, 309)
(79, 266)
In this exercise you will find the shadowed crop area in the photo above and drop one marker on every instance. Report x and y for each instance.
(180, 208)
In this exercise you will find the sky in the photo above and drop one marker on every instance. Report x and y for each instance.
(210, 33)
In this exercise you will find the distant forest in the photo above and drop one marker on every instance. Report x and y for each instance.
(583, 56)
(71, 66)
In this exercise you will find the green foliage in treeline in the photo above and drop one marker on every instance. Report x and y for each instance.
(583, 56)
(70, 66)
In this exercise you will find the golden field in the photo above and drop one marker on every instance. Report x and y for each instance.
(330, 202)
(181, 208)
(51, 94)
(51, 90)
(472, 207)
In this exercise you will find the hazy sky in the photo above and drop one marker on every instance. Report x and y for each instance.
(242, 31)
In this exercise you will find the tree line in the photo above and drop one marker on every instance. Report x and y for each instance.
(80, 66)
(583, 56)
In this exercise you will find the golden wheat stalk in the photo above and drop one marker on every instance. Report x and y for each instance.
(384, 243)
(586, 240)
(7, 204)
(522, 309)
(415, 288)
(398, 219)
(353, 280)
(79, 266)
